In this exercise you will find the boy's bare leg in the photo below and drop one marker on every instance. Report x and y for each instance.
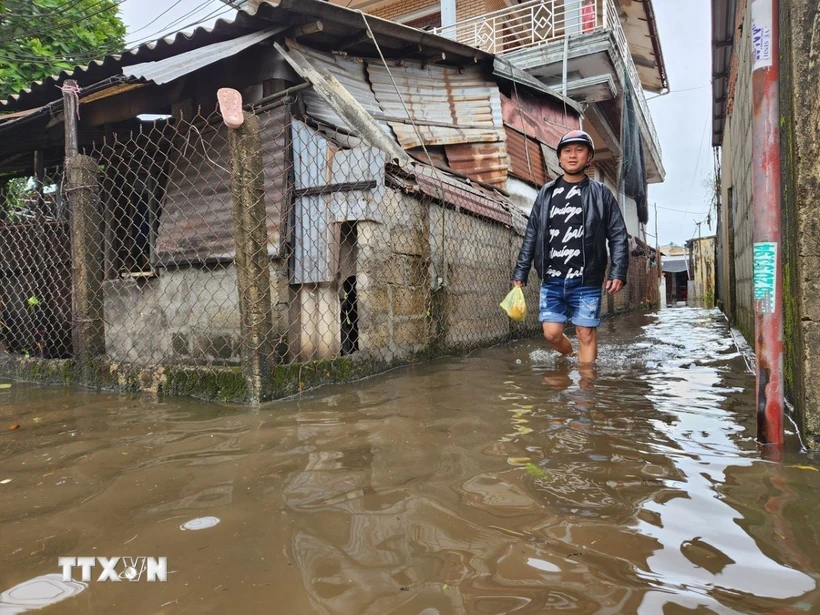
(554, 334)
(588, 344)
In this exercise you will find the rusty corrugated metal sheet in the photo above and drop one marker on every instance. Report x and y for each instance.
(542, 118)
(352, 74)
(486, 162)
(467, 105)
(196, 223)
(453, 191)
(530, 169)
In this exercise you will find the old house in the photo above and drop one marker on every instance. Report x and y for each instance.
(601, 53)
(364, 215)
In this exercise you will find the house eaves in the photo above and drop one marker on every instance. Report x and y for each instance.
(641, 30)
(347, 29)
(170, 69)
(41, 93)
(723, 41)
(503, 69)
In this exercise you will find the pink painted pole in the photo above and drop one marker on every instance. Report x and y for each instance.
(768, 280)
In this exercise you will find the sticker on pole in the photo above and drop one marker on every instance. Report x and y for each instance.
(762, 33)
(765, 275)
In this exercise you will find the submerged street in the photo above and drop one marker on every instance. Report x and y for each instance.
(500, 482)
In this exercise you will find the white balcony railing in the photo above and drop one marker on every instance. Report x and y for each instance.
(531, 24)
(543, 22)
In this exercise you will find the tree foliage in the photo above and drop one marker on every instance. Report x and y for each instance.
(39, 38)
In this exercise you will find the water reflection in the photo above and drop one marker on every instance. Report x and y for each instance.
(503, 482)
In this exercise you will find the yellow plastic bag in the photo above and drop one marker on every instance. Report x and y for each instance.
(515, 305)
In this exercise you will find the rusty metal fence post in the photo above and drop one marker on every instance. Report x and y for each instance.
(252, 261)
(88, 329)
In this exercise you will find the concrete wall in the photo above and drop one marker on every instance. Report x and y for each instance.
(703, 266)
(800, 152)
(800, 155)
(393, 280)
(736, 191)
(188, 315)
(430, 278)
(474, 258)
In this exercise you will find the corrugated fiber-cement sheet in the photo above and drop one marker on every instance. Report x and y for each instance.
(466, 106)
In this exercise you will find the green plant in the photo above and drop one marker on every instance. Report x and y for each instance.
(40, 38)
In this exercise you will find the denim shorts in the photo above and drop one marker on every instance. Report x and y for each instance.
(562, 299)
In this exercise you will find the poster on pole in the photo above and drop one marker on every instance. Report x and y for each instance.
(765, 275)
(762, 34)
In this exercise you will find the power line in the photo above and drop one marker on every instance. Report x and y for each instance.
(154, 20)
(94, 55)
(61, 24)
(222, 10)
(700, 87)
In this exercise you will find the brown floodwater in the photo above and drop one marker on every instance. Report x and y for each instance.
(500, 482)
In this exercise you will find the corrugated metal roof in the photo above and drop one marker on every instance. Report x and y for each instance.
(394, 39)
(344, 104)
(467, 101)
(352, 74)
(506, 70)
(455, 192)
(723, 43)
(340, 23)
(43, 92)
(169, 69)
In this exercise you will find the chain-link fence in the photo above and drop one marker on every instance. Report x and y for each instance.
(250, 263)
(35, 296)
(286, 252)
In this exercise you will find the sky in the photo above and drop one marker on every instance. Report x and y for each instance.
(682, 118)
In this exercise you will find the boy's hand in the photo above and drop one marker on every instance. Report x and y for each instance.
(613, 286)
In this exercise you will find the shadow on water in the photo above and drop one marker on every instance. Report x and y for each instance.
(502, 482)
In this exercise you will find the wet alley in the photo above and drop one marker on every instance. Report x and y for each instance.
(499, 482)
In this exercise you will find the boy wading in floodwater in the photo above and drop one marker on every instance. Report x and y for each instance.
(573, 220)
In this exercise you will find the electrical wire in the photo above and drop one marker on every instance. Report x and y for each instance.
(62, 24)
(95, 55)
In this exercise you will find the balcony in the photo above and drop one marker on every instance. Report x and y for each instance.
(540, 35)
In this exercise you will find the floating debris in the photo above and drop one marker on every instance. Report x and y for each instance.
(38, 593)
(201, 523)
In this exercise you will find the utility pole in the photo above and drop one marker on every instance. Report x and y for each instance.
(768, 281)
(657, 244)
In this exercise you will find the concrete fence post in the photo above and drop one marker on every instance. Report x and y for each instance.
(252, 261)
(88, 329)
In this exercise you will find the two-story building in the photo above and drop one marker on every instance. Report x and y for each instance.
(599, 53)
